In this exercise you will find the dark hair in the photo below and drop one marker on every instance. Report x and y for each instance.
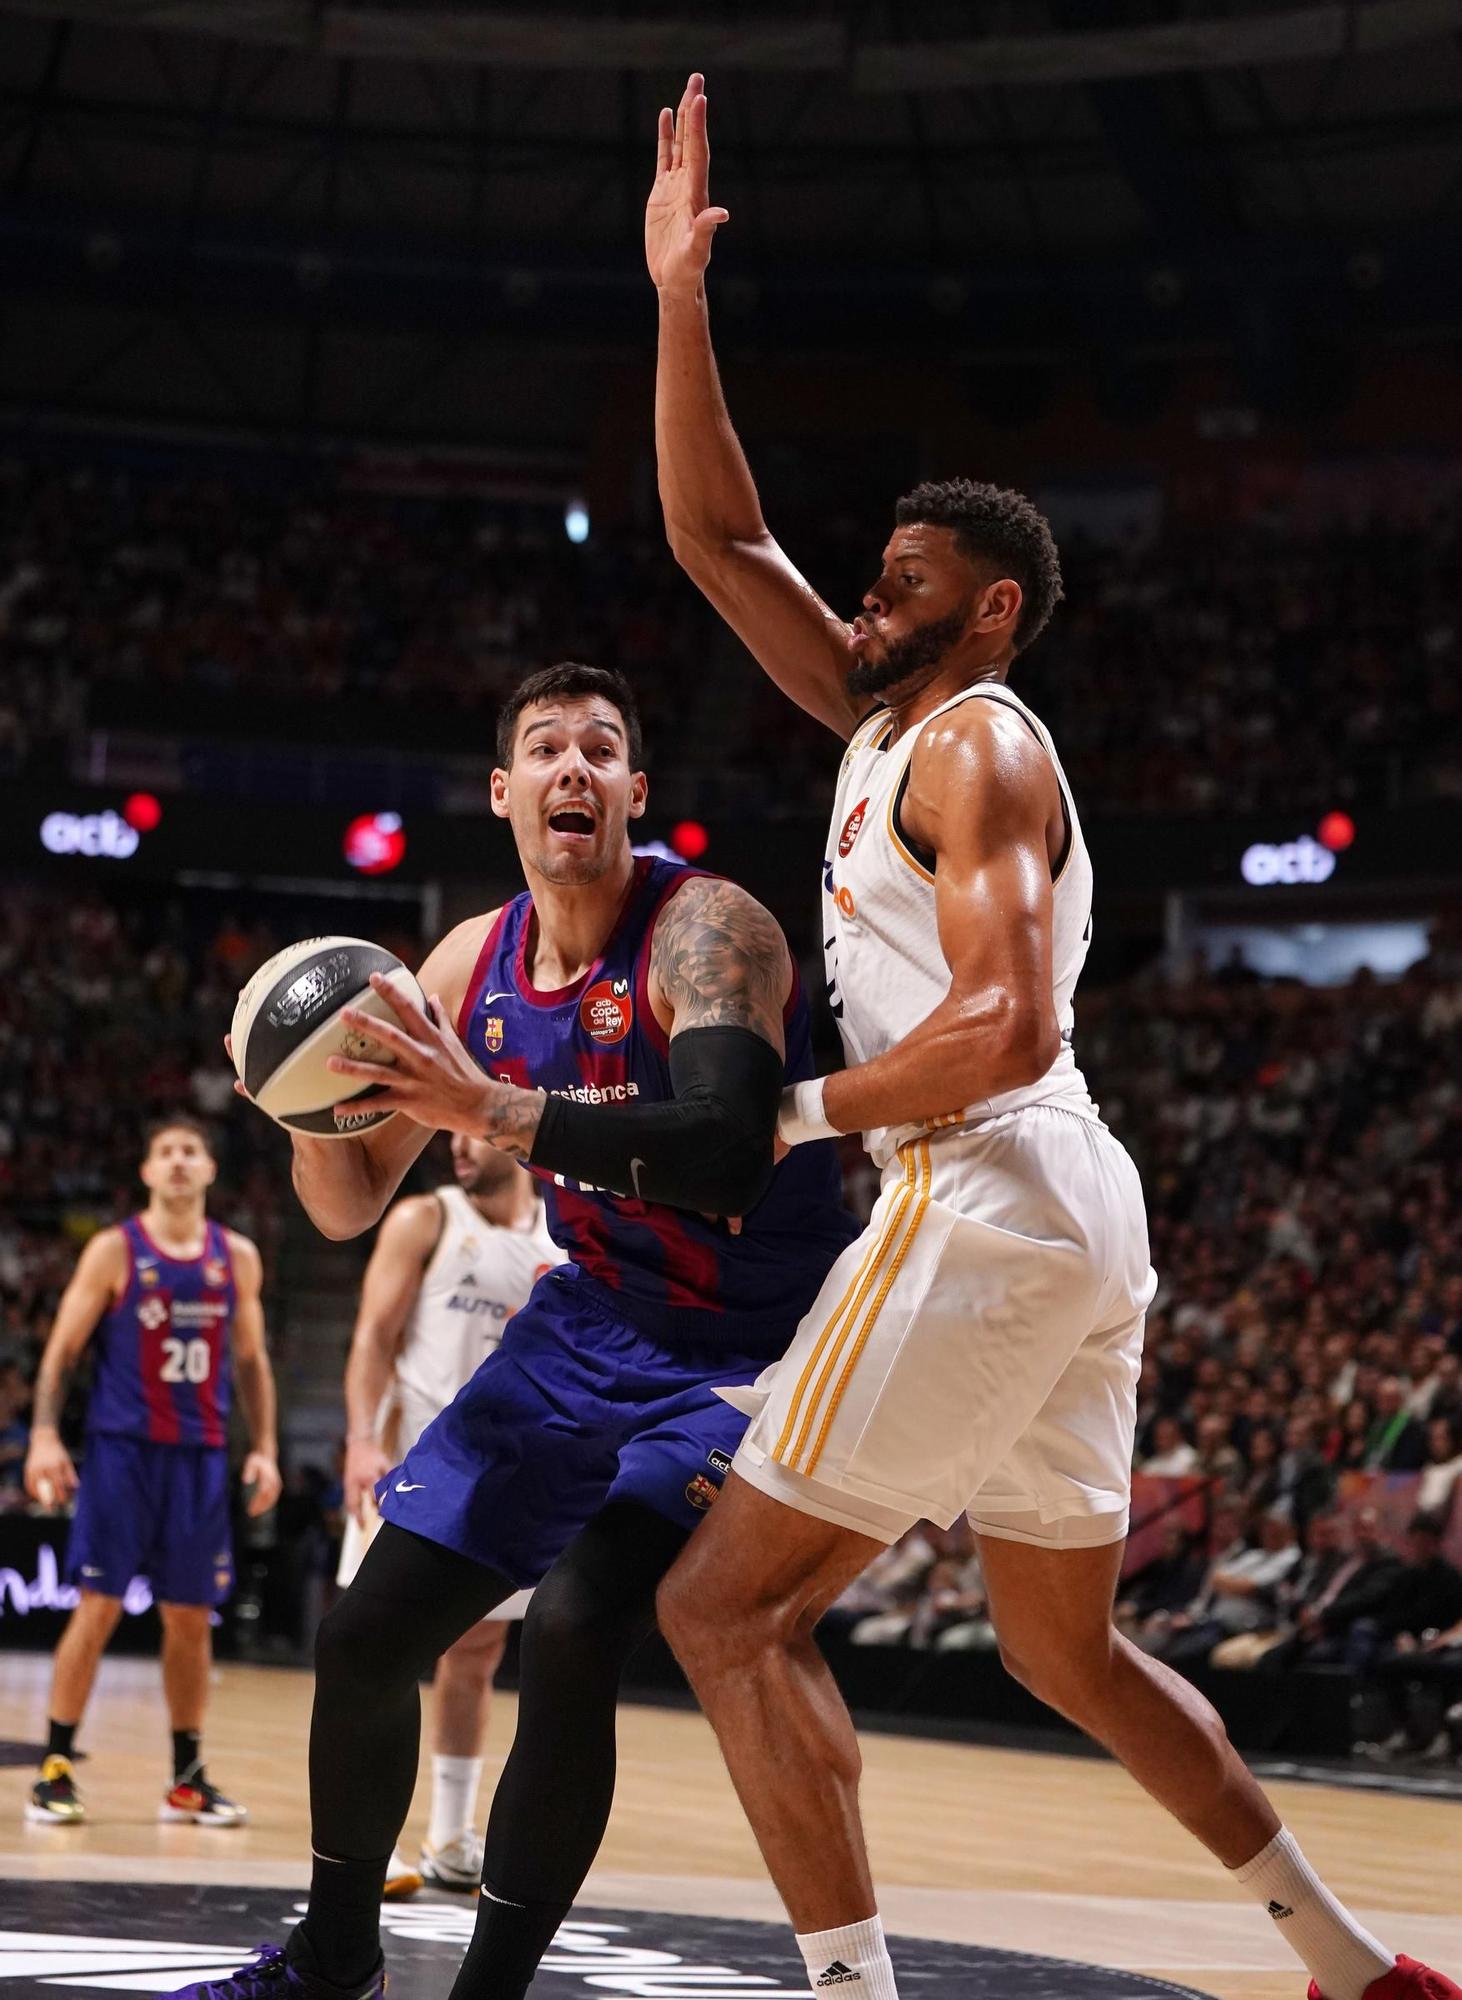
(1426, 1524)
(569, 680)
(182, 1121)
(997, 525)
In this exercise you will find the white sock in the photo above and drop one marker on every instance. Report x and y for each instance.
(1342, 1956)
(851, 1963)
(454, 1782)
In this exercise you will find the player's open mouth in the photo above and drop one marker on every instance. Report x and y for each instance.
(568, 820)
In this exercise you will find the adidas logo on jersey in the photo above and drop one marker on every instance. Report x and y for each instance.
(1279, 1911)
(836, 1974)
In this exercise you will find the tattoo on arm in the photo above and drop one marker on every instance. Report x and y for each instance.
(721, 960)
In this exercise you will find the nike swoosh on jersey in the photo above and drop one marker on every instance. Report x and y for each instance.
(486, 999)
(634, 1174)
(416, 1487)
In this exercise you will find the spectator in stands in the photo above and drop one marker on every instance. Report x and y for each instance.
(1217, 1461)
(1299, 1480)
(1396, 1442)
(1322, 1564)
(1171, 1456)
(1439, 1475)
(1237, 1595)
(1424, 1597)
(1420, 1627)
(1345, 1446)
(1166, 1584)
(1354, 1593)
(14, 1426)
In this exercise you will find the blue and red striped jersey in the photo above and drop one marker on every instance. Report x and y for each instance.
(163, 1362)
(677, 1275)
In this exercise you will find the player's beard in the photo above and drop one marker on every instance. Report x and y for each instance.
(915, 653)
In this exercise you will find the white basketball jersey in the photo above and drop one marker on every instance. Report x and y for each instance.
(885, 970)
(477, 1277)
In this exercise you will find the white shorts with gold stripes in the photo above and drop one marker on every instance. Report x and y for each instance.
(976, 1349)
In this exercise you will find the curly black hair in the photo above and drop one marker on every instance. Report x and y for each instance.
(998, 525)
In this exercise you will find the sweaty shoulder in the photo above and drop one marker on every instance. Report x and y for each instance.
(412, 1227)
(448, 967)
(105, 1258)
(719, 959)
(248, 1264)
(978, 771)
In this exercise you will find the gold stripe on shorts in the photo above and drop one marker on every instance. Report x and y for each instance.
(926, 1176)
(858, 1288)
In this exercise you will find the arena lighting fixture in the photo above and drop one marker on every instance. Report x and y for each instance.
(375, 843)
(142, 811)
(689, 839)
(576, 521)
(104, 836)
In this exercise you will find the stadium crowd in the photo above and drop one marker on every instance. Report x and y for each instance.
(1301, 1149)
(1318, 666)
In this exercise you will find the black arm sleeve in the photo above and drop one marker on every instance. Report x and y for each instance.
(708, 1148)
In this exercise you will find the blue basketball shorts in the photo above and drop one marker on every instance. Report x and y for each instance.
(573, 1410)
(155, 1510)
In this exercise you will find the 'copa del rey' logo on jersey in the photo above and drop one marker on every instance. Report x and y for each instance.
(606, 1011)
(852, 827)
(215, 1271)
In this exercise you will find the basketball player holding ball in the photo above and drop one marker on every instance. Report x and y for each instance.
(169, 1304)
(625, 1028)
(448, 1271)
(978, 1348)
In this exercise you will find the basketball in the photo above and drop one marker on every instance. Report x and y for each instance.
(287, 1025)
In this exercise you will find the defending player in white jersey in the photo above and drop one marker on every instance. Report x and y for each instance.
(978, 1347)
(448, 1271)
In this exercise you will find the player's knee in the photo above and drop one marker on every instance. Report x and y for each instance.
(353, 1643)
(186, 1621)
(1068, 1677)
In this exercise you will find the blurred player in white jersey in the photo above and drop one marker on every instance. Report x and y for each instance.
(978, 1348)
(449, 1269)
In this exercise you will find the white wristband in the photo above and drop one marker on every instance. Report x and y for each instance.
(801, 1116)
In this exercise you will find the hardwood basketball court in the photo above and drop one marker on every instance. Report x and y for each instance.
(1024, 1851)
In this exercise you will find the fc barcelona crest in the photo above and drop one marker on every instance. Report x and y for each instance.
(702, 1492)
(214, 1272)
(492, 1033)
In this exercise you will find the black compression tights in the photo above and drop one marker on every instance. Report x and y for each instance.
(410, 1602)
(553, 1798)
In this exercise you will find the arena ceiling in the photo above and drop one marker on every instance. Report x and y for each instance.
(281, 214)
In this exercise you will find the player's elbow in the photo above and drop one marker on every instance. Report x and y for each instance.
(1017, 1044)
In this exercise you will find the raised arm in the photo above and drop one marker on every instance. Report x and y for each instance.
(254, 1376)
(983, 796)
(98, 1280)
(403, 1248)
(713, 517)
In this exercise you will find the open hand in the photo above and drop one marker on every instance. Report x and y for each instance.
(680, 225)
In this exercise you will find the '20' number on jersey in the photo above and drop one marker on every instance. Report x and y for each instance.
(186, 1360)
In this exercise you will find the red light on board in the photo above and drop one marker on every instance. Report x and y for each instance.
(142, 812)
(1336, 831)
(375, 843)
(689, 839)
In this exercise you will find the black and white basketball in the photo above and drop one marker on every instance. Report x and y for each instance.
(287, 1025)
